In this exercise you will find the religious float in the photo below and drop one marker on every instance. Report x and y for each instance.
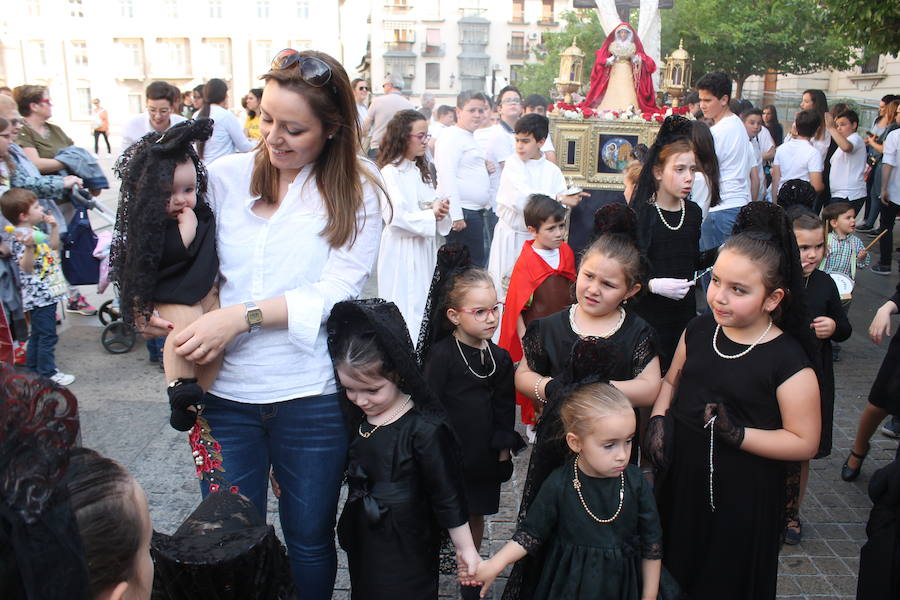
(596, 138)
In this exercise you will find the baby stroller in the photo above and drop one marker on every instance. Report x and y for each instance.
(117, 337)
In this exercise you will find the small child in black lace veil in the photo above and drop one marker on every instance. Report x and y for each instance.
(163, 255)
(593, 525)
(405, 483)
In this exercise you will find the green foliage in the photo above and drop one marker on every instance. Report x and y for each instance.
(873, 24)
(537, 77)
(748, 37)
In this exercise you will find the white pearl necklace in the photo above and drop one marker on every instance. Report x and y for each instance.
(471, 370)
(663, 219)
(580, 333)
(389, 420)
(739, 354)
(577, 485)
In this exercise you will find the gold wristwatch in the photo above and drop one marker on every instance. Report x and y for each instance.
(254, 316)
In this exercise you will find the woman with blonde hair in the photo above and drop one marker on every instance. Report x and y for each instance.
(298, 223)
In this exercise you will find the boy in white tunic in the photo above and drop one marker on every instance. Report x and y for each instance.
(526, 172)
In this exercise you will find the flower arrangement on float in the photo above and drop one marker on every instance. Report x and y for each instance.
(578, 111)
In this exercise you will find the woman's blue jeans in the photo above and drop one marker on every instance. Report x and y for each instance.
(305, 442)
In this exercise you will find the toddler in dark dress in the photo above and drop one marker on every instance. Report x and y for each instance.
(472, 377)
(163, 256)
(594, 520)
(403, 464)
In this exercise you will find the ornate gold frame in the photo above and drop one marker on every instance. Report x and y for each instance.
(581, 169)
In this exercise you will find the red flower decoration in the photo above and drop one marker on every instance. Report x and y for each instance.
(234, 489)
(214, 487)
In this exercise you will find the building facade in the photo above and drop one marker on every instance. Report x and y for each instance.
(447, 46)
(112, 49)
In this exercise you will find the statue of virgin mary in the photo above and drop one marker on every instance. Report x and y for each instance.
(622, 74)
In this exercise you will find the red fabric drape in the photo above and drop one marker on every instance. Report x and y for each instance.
(643, 81)
(528, 274)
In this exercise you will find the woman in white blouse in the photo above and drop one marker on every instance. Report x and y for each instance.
(297, 223)
(228, 133)
(409, 241)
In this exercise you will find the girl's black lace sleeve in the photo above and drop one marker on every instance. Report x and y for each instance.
(533, 349)
(531, 543)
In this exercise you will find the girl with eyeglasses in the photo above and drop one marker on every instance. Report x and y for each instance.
(413, 217)
(473, 378)
(297, 229)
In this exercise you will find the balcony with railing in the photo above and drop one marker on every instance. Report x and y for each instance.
(400, 46)
(433, 49)
(516, 50)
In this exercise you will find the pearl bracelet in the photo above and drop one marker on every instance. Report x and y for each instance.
(537, 387)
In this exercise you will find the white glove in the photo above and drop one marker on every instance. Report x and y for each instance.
(676, 289)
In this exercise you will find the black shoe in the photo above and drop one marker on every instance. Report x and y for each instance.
(184, 394)
(881, 269)
(847, 472)
(793, 533)
(864, 229)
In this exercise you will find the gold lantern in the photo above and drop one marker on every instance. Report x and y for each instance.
(677, 76)
(571, 62)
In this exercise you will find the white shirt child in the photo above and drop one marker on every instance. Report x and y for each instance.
(847, 170)
(796, 159)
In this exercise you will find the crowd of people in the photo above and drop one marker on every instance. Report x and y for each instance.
(665, 423)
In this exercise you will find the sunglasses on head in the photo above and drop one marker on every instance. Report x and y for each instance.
(313, 71)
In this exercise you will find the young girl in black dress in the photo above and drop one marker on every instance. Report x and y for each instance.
(403, 463)
(163, 255)
(595, 516)
(747, 401)
(829, 323)
(472, 377)
(669, 234)
(609, 274)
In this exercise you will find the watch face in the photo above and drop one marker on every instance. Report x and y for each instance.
(254, 316)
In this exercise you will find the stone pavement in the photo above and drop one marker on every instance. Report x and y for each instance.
(124, 415)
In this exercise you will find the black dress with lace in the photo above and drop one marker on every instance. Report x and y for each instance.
(547, 345)
(732, 551)
(404, 488)
(481, 410)
(589, 560)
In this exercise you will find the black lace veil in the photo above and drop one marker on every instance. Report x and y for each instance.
(452, 259)
(383, 321)
(146, 170)
(40, 548)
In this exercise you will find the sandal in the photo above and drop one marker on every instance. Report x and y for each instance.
(849, 473)
(793, 532)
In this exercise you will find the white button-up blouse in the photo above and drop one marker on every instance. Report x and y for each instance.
(284, 255)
